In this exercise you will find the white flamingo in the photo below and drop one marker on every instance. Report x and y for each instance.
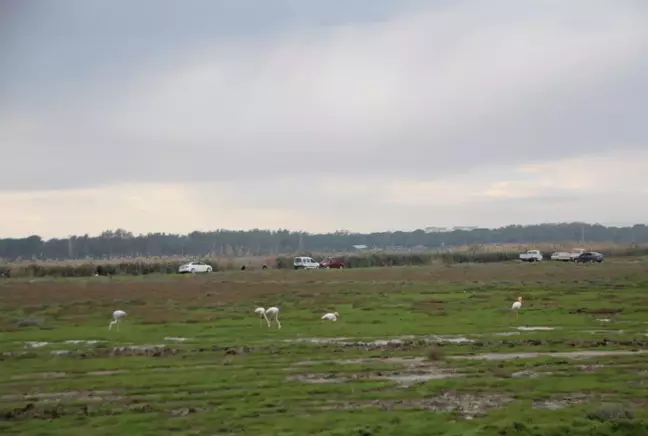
(516, 306)
(261, 312)
(331, 316)
(273, 311)
(117, 316)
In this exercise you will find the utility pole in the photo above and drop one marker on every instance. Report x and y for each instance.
(582, 234)
(70, 246)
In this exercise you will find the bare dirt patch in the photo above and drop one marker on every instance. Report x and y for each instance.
(565, 354)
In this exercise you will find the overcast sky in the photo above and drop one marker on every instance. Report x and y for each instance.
(318, 115)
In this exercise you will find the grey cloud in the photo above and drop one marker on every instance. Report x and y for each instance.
(49, 46)
(479, 97)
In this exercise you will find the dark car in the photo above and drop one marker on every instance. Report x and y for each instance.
(590, 256)
(332, 262)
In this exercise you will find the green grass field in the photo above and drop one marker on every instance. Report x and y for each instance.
(416, 351)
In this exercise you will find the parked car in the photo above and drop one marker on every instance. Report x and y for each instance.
(590, 256)
(195, 267)
(305, 263)
(531, 256)
(566, 256)
(332, 262)
(562, 255)
(576, 252)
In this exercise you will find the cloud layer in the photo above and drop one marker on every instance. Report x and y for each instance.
(382, 117)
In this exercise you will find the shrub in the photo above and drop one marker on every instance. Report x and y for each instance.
(434, 353)
(611, 412)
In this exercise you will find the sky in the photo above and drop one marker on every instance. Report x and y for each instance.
(366, 115)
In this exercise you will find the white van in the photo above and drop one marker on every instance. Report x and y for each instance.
(305, 263)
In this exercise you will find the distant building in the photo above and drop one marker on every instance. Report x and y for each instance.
(449, 229)
(437, 229)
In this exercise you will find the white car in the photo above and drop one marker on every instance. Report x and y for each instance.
(561, 255)
(195, 267)
(305, 263)
(531, 256)
(575, 253)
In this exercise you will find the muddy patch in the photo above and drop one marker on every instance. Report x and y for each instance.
(39, 375)
(108, 372)
(56, 396)
(407, 361)
(409, 345)
(560, 402)
(403, 379)
(386, 343)
(531, 374)
(317, 378)
(565, 354)
(466, 404)
(417, 371)
(413, 378)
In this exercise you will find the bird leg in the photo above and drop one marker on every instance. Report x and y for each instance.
(267, 320)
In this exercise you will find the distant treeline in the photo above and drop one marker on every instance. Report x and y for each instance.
(229, 243)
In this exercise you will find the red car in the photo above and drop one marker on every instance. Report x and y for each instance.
(332, 262)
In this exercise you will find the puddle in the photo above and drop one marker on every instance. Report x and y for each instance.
(33, 344)
(60, 352)
(506, 334)
(174, 339)
(318, 340)
(566, 354)
(603, 332)
(83, 342)
(400, 340)
(603, 320)
(146, 347)
(104, 372)
(538, 328)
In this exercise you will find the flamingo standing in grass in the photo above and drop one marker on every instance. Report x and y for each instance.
(261, 312)
(273, 311)
(516, 306)
(117, 316)
(331, 316)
